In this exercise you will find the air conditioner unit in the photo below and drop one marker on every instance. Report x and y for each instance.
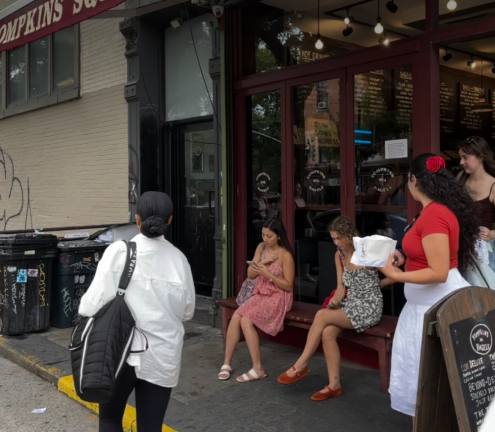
(322, 106)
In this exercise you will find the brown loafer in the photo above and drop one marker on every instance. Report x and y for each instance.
(320, 396)
(286, 379)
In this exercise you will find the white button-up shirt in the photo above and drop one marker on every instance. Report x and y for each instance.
(160, 295)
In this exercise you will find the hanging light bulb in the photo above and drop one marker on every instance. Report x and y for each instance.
(452, 5)
(378, 27)
(471, 63)
(348, 19)
(392, 7)
(384, 40)
(482, 106)
(319, 43)
(447, 55)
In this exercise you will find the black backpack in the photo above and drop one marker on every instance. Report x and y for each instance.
(101, 344)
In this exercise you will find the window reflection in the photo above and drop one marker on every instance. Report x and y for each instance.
(17, 75)
(264, 169)
(316, 141)
(63, 59)
(38, 68)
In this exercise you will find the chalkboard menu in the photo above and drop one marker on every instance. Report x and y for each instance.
(403, 96)
(370, 94)
(474, 349)
(448, 104)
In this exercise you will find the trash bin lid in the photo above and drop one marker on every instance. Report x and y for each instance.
(77, 245)
(28, 239)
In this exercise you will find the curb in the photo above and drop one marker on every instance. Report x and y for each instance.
(59, 377)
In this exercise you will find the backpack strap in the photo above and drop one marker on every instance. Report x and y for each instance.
(130, 265)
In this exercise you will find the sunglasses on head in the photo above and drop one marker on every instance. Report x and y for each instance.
(409, 226)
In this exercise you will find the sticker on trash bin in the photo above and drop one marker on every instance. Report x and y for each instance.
(31, 252)
(11, 269)
(76, 279)
(88, 260)
(32, 273)
(82, 278)
(22, 276)
(97, 257)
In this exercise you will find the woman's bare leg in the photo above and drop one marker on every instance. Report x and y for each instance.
(323, 318)
(253, 343)
(332, 355)
(232, 339)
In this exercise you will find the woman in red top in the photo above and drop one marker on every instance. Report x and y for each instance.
(440, 239)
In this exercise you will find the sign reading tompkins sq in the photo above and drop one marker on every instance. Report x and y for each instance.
(43, 17)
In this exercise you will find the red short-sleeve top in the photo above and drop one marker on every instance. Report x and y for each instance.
(434, 219)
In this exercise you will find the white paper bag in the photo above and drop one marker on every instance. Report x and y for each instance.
(372, 251)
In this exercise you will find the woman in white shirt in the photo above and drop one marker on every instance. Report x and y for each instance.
(161, 296)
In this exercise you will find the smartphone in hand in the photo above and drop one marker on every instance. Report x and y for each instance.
(250, 263)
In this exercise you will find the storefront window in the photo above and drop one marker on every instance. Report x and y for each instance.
(63, 59)
(17, 75)
(454, 12)
(264, 164)
(188, 86)
(316, 141)
(38, 68)
(383, 148)
(279, 34)
(1, 83)
(460, 88)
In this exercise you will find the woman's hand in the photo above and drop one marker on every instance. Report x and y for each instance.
(270, 258)
(400, 259)
(262, 270)
(390, 269)
(333, 304)
(486, 234)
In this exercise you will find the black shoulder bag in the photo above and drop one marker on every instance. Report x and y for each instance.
(101, 344)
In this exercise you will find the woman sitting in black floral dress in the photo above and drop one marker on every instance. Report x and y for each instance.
(360, 310)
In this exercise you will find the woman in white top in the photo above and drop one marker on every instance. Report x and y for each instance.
(161, 296)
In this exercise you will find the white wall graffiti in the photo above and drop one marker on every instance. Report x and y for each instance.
(15, 199)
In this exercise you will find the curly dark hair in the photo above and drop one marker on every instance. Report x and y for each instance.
(346, 230)
(443, 188)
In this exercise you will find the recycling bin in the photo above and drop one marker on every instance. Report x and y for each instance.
(76, 268)
(26, 274)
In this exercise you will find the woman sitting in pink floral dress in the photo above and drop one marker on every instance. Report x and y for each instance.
(273, 262)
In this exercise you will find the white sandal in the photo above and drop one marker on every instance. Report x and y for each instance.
(254, 377)
(225, 370)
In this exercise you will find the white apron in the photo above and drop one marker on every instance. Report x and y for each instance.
(406, 349)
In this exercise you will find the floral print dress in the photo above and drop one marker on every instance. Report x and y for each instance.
(364, 302)
(268, 304)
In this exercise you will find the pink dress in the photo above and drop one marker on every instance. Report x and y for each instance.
(268, 304)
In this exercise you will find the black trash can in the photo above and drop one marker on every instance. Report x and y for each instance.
(76, 267)
(26, 274)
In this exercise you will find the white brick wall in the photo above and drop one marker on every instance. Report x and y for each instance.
(74, 154)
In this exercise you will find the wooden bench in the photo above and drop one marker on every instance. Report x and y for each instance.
(378, 338)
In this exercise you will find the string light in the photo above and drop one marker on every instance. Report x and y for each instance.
(452, 5)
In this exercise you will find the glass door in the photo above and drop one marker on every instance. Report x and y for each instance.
(316, 141)
(382, 151)
(195, 203)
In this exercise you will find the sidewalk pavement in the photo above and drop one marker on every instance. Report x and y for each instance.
(202, 403)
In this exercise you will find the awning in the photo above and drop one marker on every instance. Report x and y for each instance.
(43, 17)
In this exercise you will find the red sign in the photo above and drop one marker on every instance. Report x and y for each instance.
(43, 17)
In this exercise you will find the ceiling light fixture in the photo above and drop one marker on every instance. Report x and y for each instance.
(384, 40)
(493, 70)
(349, 19)
(471, 63)
(447, 55)
(452, 5)
(348, 31)
(392, 7)
(378, 27)
(319, 43)
(482, 105)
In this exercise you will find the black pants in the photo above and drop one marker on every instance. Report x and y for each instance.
(151, 404)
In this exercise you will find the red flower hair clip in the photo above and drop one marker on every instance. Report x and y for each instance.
(435, 163)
